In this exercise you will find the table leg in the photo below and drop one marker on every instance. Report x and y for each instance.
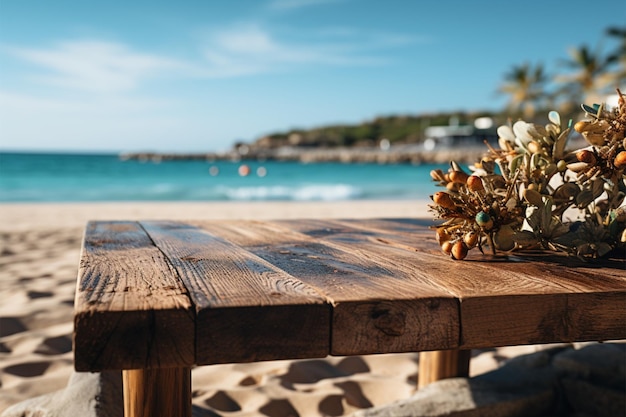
(440, 364)
(162, 392)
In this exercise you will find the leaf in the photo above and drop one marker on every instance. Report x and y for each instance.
(597, 187)
(456, 167)
(533, 218)
(584, 198)
(546, 218)
(537, 131)
(603, 248)
(558, 151)
(553, 131)
(535, 162)
(514, 164)
(522, 143)
(566, 191)
(557, 228)
(505, 132)
(525, 238)
(521, 130)
(533, 197)
(555, 117)
(511, 203)
(591, 111)
(578, 166)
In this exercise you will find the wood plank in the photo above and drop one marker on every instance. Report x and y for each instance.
(558, 268)
(246, 308)
(520, 299)
(516, 320)
(306, 288)
(376, 309)
(131, 311)
(162, 392)
(441, 364)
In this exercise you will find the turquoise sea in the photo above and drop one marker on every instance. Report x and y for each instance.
(71, 177)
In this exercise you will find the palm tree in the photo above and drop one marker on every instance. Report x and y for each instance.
(589, 79)
(525, 84)
(618, 56)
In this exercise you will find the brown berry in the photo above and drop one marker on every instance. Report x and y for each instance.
(443, 199)
(446, 247)
(458, 177)
(620, 160)
(442, 235)
(470, 239)
(586, 156)
(459, 250)
(452, 186)
(582, 126)
(475, 183)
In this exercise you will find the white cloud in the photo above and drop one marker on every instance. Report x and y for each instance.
(251, 49)
(107, 67)
(94, 66)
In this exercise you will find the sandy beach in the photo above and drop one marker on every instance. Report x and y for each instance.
(39, 252)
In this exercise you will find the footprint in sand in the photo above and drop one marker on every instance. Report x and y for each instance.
(39, 294)
(309, 372)
(222, 402)
(55, 345)
(279, 408)
(332, 405)
(353, 365)
(354, 394)
(249, 381)
(312, 371)
(11, 325)
(28, 370)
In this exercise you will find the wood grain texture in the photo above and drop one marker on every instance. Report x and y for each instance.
(378, 307)
(441, 364)
(529, 319)
(170, 294)
(246, 308)
(162, 392)
(131, 310)
(519, 299)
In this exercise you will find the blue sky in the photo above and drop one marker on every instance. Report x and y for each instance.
(79, 75)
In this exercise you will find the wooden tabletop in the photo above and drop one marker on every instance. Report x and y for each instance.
(157, 294)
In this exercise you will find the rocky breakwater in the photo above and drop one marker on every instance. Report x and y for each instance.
(392, 155)
(582, 380)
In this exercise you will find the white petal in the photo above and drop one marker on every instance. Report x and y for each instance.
(505, 132)
(555, 117)
(521, 130)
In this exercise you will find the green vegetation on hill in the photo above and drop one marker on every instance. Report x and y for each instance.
(589, 76)
(396, 129)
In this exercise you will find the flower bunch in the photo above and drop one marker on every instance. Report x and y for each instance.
(532, 193)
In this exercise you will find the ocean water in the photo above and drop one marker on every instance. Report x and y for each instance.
(72, 178)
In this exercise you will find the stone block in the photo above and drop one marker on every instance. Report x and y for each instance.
(585, 398)
(463, 397)
(86, 395)
(602, 364)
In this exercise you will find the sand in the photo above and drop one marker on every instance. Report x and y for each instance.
(39, 251)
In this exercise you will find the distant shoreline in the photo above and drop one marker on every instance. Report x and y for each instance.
(393, 155)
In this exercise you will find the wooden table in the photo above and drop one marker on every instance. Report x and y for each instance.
(155, 298)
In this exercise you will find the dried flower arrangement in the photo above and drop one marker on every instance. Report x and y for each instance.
(533, 194)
